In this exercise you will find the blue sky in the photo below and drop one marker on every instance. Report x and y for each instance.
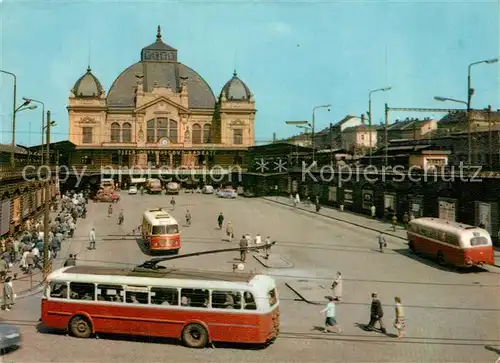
(293, 55)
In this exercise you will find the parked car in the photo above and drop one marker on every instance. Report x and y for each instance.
(173, 188)
(107, 197)
(10, 337)
(132, 190)
(207, 189)
(227, 193)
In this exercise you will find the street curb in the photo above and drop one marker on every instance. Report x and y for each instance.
(28, 293)
(302, 296)
(337, 219)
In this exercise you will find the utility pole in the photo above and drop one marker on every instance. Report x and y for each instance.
(47, 203)
(331, 143)
(490, 137)
(386, 134)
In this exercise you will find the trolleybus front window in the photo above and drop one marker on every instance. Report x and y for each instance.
(159, 230)
(172, 229)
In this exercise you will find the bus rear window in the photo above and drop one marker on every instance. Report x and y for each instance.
(478, 241)
(273, 299)
(159, 230)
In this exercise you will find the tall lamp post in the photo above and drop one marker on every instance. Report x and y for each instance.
(370, 116)
(47, 200)
(444, 99)
(470, 92)
(43, 124)
(312, 130)
(15, 110)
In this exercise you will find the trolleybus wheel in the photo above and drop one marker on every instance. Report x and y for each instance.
(440, 258)
(411, 246)
(80, 327)
(195, 336)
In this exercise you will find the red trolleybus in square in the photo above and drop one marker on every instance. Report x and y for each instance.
(160, 231)
(195, 307)
(450, 242)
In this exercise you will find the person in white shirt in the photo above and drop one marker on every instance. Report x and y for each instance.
(337, 286)
(258, 239)
(92, 239)
(330, 320)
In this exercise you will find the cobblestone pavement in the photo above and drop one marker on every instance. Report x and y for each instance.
(452, 316)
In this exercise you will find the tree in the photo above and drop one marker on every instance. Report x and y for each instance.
(217, 123)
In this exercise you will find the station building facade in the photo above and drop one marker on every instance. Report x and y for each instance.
(160, 112)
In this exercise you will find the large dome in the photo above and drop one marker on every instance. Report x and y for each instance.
(159, 68)
(236, 90)
(88, 86)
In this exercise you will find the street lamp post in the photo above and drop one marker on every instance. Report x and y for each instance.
(14, 111)
(312, 131)
(470, 92)
(444, 99)
(43, 124)
(14, 101)
(370, 116)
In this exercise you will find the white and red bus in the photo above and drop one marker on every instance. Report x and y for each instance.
(160, 231)
(450, 242)
(195, 307)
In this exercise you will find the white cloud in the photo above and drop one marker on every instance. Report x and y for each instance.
(279, 28)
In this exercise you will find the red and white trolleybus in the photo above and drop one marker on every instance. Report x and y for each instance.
(450, 242)
(196, 307)
(160, 231)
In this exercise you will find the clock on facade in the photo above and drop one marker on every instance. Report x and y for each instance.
(163, 141)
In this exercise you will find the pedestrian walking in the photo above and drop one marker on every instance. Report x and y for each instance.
(381, 242)
(337, 286)
(330, 316)
(70, 261)
(9, 296)
(373, 210)
(110, 210)
(406, 220)
(92, 239)
(268, 246)
(172, 202)
(243, 248)
(399, 322)
(258, 239)
(229, 232)
(220, 220)
(188, 218)
(376, 314)
(394, 222)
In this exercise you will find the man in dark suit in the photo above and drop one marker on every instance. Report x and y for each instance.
(376, 314)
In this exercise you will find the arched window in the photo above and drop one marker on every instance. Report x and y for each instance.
(173, 130)
(162, 127)
(115, 132)
(196, 134)
(127, 132)
(151, 131)
(207, 134)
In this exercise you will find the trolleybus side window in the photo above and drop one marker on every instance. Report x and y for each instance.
(137, 294)
(249, 301)
(172, 229)
(226, 299)
(195, 298)
(164, 296)
(58, 290)
(81, 291)
(111, 293)
(158, 230)
(273, 299)
(452, 240)
(478, 241)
